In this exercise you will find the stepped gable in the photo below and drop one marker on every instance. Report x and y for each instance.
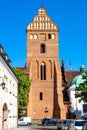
(42, 21)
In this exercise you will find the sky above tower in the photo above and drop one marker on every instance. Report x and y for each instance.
(69, 15)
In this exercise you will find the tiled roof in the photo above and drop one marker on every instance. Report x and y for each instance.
(6, 59)
(23, 69)
(70, 76)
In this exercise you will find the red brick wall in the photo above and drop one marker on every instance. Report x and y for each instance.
(52, 86)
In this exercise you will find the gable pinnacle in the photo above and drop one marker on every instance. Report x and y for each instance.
(42, 3)
(70, 66)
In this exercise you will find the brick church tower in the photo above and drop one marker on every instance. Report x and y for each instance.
(42, 64)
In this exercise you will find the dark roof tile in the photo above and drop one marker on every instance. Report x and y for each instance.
(70, 76)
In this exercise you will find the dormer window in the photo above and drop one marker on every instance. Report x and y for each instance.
(42, 48)
(6, 57)
(1, 50)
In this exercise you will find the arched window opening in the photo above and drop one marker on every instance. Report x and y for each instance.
(43, 71)
(53, 36)
(41, 96)
(43, 48)
(35, 36)
(31, 36)
(49, 36)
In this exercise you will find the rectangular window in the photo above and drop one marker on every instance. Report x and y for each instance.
(49, 36)
(41, 96)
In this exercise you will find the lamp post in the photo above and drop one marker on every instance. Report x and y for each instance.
(2, 84)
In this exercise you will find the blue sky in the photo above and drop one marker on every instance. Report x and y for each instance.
(69, 15)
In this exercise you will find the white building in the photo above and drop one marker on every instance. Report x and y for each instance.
(76, 106)
(8, 93)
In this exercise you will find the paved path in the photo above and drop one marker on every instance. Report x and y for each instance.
(22, 128)
(36, 128)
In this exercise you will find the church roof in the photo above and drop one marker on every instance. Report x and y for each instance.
(78, 79)
(42, 21)
(70, 76)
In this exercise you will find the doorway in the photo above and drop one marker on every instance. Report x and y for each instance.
(4, 117)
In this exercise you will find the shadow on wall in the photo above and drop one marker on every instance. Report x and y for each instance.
(56, 109)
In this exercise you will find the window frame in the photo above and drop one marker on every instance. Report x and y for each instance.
(42, 48)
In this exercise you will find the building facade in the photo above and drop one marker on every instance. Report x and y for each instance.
(43, 67)
(8, 93)
(77, 106)
(49, 95)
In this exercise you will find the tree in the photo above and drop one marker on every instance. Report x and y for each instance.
(81, 90)
(23, 89)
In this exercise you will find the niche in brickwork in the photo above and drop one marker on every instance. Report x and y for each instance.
(37, 69)
(50, 68)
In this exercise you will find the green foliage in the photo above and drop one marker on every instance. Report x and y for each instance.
(81, 91)
(23, 89)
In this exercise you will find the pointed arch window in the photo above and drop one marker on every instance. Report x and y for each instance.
(43, 48)
(43, 71)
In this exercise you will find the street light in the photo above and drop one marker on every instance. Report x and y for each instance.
(3, 85)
